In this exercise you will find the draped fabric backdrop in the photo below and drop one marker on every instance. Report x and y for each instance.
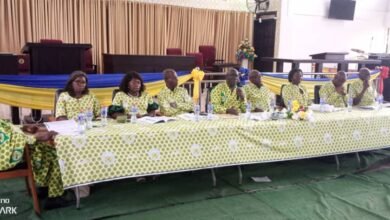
(121, 26)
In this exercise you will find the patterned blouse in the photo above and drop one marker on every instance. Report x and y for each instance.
(180, 96)
(12, 142)
(126, 101)
(328, 92)
(369, 96)
(293, 92)
(71, 107)
(223, 98)
(258, 97)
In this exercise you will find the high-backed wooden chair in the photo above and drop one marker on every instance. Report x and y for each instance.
(24, 170)
(57, 95)
(114, 92)
(174, 51)
(198, 59)
(209, 54)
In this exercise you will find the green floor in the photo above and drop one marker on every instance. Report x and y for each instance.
(303, 189)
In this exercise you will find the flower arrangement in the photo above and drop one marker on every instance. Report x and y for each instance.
(245, 51)
(298, 112)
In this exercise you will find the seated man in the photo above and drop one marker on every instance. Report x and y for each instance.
(334, 92)
(226, 97)
(361, 91)
(257, 94)
(173, 100)
(44, 161)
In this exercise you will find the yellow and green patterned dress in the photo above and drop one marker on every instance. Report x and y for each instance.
(44, 159)
(331, 97)
(70, 107)
(369, 96)
(258, 97)
(12, 142)
(223, 98)
(126, 101)
(293, 92)
(180, 96)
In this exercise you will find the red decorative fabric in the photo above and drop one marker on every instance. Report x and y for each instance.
(198, 59)
(51, 41)
(384, 75)
(174, 51)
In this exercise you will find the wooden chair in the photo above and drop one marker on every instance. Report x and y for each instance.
(24, 170)
(56, 96)
(114, 92)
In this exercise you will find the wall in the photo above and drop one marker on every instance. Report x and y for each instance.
(305, 28)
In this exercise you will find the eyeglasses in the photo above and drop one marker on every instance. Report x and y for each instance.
(80, 82)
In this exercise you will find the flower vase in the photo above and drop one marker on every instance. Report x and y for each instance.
(245, 63)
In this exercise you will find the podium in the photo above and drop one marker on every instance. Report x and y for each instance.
(56, 58)
(9, 66)
(329, 56)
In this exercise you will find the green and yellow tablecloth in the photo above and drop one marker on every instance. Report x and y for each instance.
(129, 150)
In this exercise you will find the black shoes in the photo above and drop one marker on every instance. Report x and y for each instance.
(61, 201)
(42, 192)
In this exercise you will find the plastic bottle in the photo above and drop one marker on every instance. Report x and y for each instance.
(81, 125)
(248, 108)
(133, 112)
(210, 109)
(89, 117)
(103, 115)
(196, 112)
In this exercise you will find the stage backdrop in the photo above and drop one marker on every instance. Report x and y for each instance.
(37, 91)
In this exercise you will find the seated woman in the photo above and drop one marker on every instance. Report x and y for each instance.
(44, 161)
(132, 93)
(76, 98)
(294, 90)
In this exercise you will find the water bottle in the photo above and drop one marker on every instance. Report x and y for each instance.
(289, 103)
(379, 100)
(81, 123)
(322, 104)
(349, 103)
(248, 109)
(272, 105)
(210, 110)
(197, 112)
(134, 111)
(89, 116)
(103, 115)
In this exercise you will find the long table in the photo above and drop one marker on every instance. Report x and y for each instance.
(129, 150)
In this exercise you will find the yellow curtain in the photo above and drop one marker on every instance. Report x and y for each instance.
(121, 26)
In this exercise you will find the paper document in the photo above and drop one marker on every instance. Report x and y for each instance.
(323, 108)
(191, 117)
(263, 179)
(262, 116)
(368, 107)
(154, 120)
(67, 127)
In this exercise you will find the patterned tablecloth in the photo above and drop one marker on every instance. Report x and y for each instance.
(128, 150)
